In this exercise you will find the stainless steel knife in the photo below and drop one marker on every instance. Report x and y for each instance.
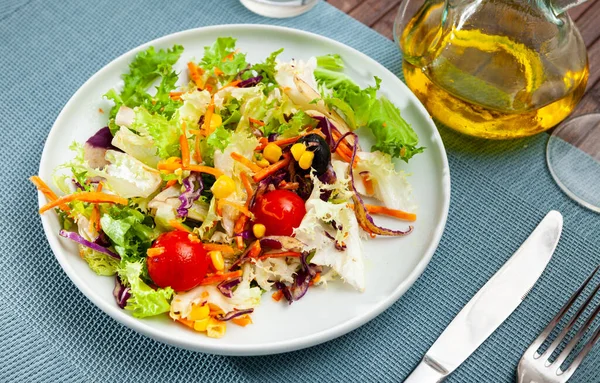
(492, 304)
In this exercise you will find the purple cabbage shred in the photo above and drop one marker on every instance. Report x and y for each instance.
(252, 81)
(233, 314)
(226, 287)
(121, 293)
(191, 193)
(84, 242)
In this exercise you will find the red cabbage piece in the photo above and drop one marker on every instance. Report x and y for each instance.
(226, 287)
(325, 127)
(121, 293)
(362, 215)
(82, 241)
(282, 242)
(252, 81)
(191, 193)
(233, 314)
(301, 281)
(102, 139)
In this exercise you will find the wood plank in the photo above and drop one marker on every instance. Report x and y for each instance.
(576, 12)
(369, 12)
(594, 61)
(588, 24)
(344, 5)
(385, 25)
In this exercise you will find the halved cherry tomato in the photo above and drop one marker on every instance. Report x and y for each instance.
(182, 264)
(281, 211)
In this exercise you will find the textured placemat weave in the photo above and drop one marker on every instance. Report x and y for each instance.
(50, 332)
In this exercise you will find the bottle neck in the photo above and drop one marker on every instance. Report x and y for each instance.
(561, 6)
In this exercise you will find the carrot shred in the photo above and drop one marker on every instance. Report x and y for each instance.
(316, 279)
(205, 169)
(153, 251)
(256, 122)
(247, 186)
(238, 228)
(179, 226)
(218, 72)
(93, 218)
(241, 208)
(225, 249)
(375, 209)
(211, 279)
(169, 184)
(246, 162)
(277, 295)
(197, 153)
(170, 164)
(186, 322)
(231, 84)
(207, 118)
(255, 249)
(185, 148)
(175, 95)
(280, 255)
(196, 74)
(92, 197)
(368, 182)
(265, 172)
(243, 321)
(45, 190)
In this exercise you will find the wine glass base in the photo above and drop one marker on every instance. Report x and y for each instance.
(573, 157)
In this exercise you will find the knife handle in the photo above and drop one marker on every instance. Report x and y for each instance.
(428, 371)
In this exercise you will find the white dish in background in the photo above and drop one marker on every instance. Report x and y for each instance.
(392, 264)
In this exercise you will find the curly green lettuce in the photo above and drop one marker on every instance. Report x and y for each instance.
(144, 300)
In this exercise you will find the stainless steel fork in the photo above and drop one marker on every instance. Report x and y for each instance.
(537, 368)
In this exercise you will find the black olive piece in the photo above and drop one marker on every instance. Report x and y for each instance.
(320, 148)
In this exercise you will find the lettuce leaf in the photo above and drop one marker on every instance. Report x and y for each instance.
(163, 131)
(222, 55)
(130, 231)
(129, 177)
(361, 107)
(267, 70)
(144, 70)
(101, 264)
(144, 300)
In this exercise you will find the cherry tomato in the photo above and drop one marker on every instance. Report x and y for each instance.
(182, 264)
(281, 211)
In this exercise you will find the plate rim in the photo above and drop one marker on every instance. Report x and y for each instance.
(289, 345)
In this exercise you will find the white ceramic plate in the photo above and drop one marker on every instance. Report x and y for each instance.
(392, 264)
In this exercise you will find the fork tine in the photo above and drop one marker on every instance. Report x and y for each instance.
(560, 337)
(544, 334)
(586, 349)
(565, 353)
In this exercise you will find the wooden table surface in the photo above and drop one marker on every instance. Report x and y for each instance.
(380, 15)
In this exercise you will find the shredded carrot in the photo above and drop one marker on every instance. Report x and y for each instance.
(316, 279)
(238, 228)
(185, 148)
(196, 74)
(194, 131)
(277, 295)
(179, 226)
(231, 84)
(256, 122)
(93, 218)
(187, 322)
(205, 169)
(255, 249)
(45, 190)
(262, 142)
(175, 95)
(246, 162)
(368, 182)
(92, 197)
(375, 209)
(211, 279)
(169, 184)
(197, 153)
(265, 172)
(280, 255)
(218, 72)
(151, 252)
(241, 208)
(170, 164)
(193, 238)
(225, 249)
(247, 186)
(207, 118)
(243, 321)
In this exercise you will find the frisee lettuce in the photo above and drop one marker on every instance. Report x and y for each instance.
(222, 55)
(144, 300)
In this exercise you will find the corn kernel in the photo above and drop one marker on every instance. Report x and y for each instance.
(297, 150)
(223, 187)
(215, 328)
(215, 121)
(201, 324)
(263, 163)
(272, 153)
(306, 160)
(216, 258)
(259, 230)
(198, 312)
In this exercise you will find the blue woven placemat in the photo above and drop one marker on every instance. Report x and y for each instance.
(50, 332)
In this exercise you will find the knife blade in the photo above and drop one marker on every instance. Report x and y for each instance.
(492, 304)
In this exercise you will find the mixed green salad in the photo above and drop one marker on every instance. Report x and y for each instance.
(212, 187)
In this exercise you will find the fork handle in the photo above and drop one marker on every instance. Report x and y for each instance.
(426, 372)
